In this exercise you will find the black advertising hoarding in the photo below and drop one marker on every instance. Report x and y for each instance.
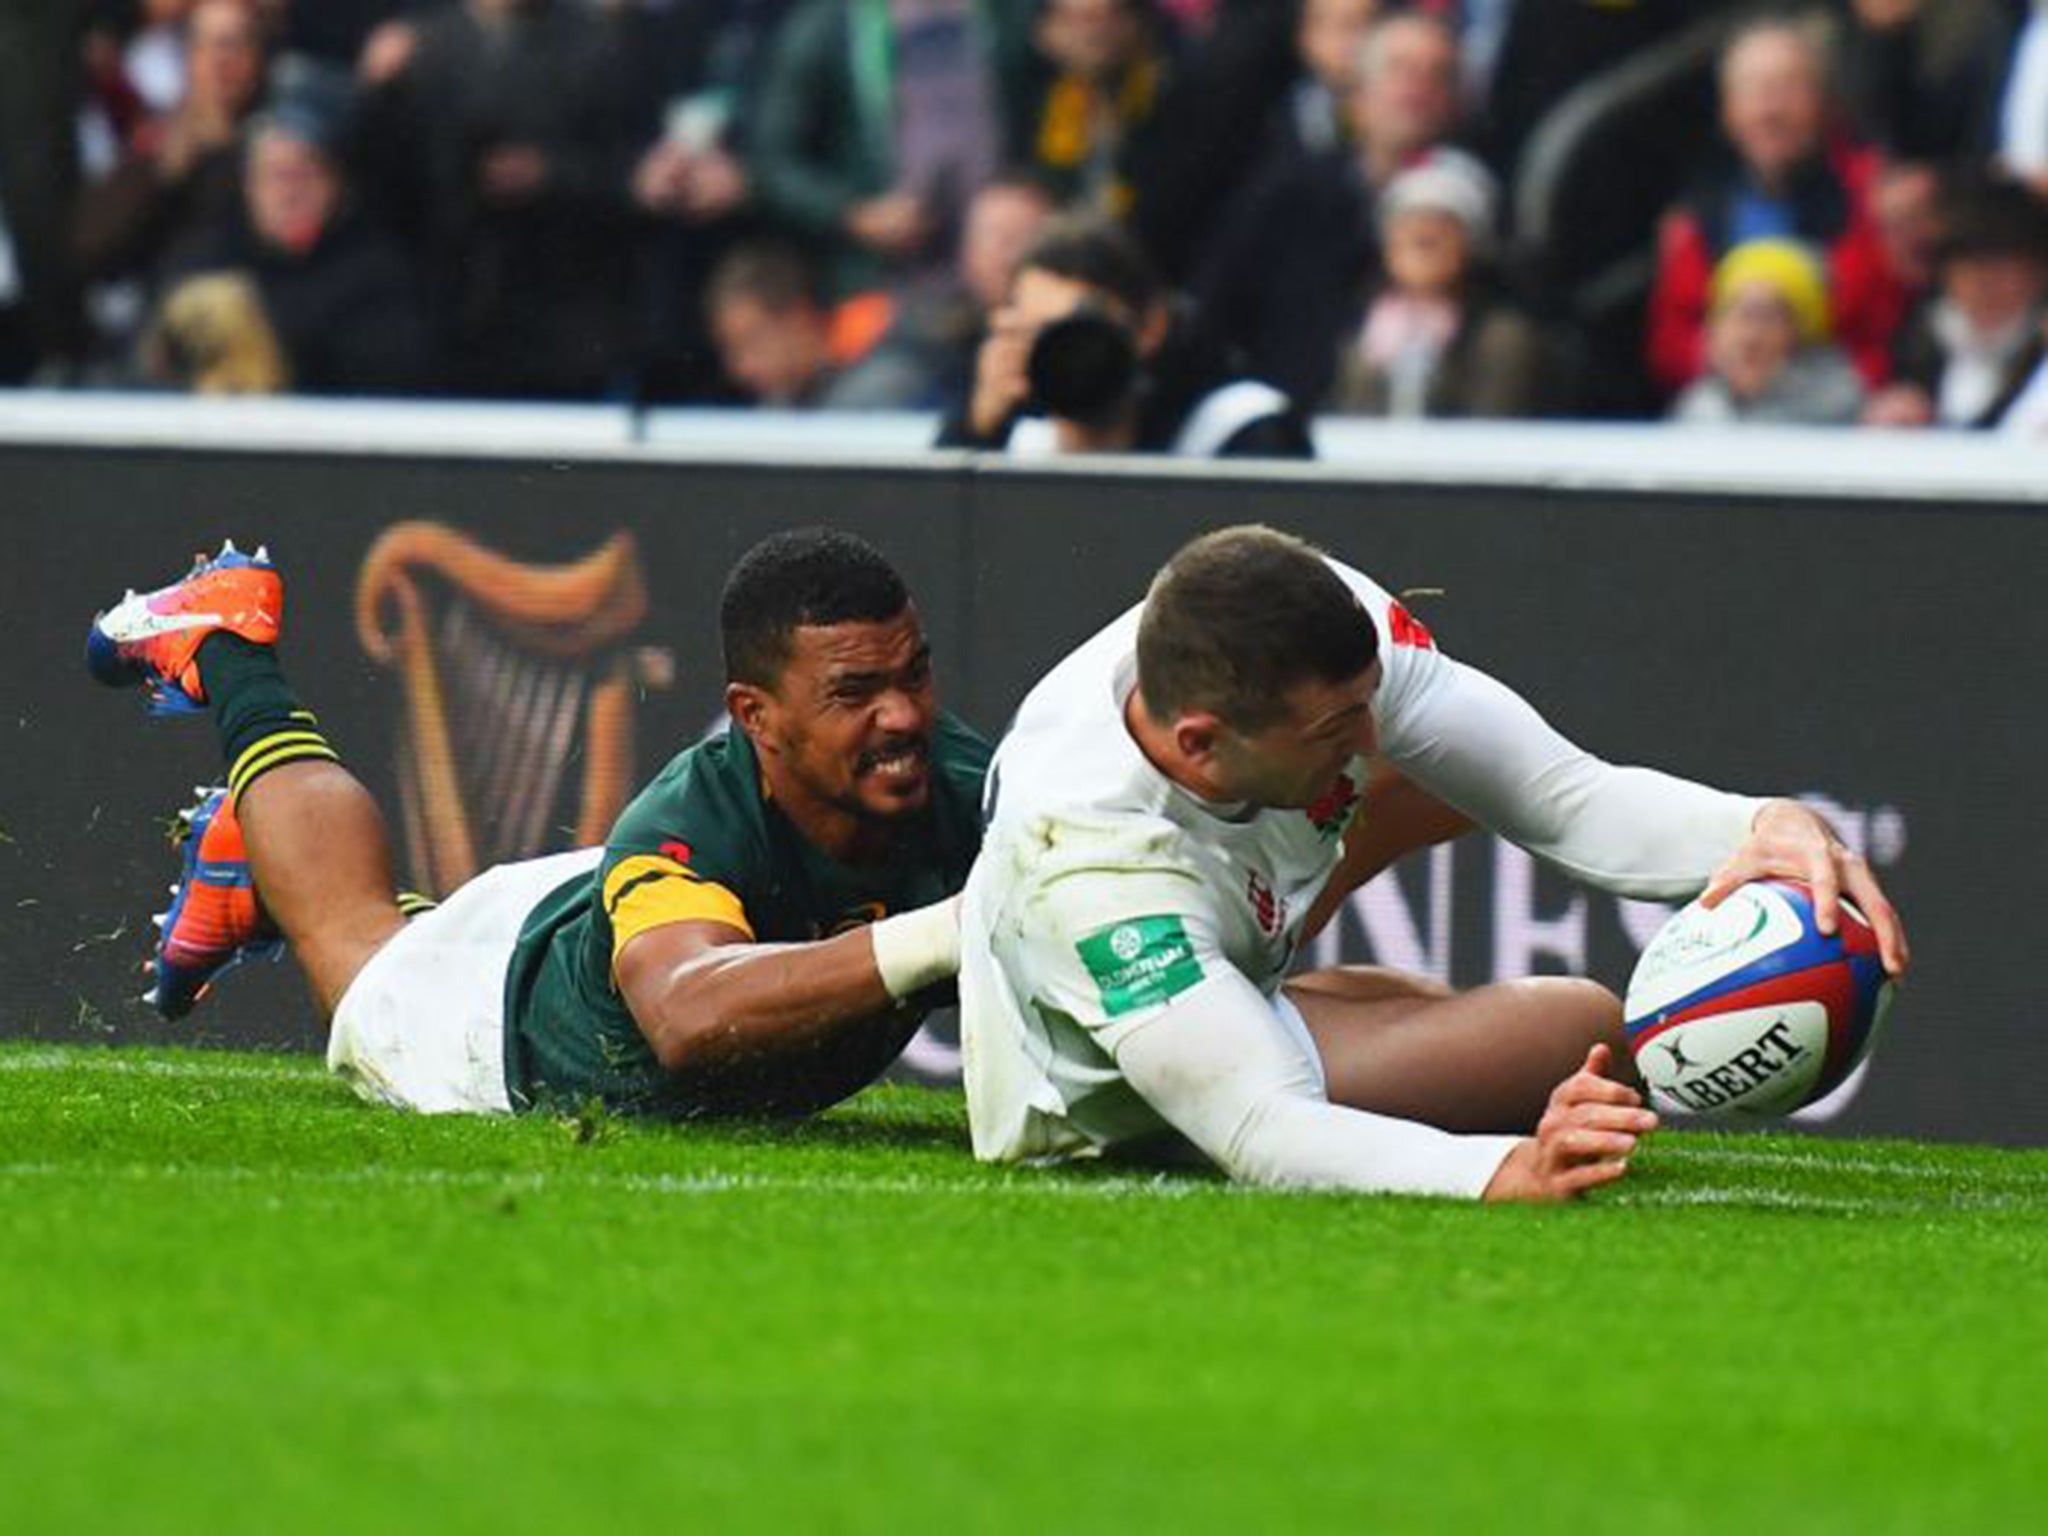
(1884, 659)
(89, 783)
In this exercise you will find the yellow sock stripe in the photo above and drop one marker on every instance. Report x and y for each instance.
(306, 717)
(277, 741)
(278, 747)
(412, 903)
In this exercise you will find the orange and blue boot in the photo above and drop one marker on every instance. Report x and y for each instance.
(215, 921)
(153, 638)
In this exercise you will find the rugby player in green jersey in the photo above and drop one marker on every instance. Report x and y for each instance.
(761, 933)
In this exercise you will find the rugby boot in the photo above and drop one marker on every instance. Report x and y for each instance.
(215, 921)
(153, 638)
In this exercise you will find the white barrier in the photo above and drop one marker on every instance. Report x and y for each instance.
(1886, 465)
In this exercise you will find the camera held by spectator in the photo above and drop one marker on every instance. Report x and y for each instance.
(1090, 353)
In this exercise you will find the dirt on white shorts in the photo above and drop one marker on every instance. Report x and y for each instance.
(423, 1024)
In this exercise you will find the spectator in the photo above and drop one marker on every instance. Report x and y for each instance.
(876, 120)
(1089, 354)
(338, 292)
(210, 336)
(1234, 69)
(183, 169)
(925, 357)
(1004, 221)
(698, 67)
(1966, 354)
(39, 89)
(1907, 207)
(1101, 66)
(1781, 178)
(1770, 358)
(2022, 130)
(1329, 39)
(1439, 338)
(504, 130)
(774, 330)
(1282, 276)
(1922, 81)
(153, 55)
(2026, 421)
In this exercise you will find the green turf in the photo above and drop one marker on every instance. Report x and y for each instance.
(232, 1299)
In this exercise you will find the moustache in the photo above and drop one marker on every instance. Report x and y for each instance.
(918, 746)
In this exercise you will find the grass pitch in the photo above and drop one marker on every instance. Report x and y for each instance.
(233, 1299)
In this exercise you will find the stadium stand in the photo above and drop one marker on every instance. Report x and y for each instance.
(558, 179)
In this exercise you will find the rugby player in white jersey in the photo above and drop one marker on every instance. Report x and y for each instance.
(1184, 798)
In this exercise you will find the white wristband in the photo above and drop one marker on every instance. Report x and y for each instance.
(915, 949)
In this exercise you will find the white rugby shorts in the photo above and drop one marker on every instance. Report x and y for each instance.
(423, 1024)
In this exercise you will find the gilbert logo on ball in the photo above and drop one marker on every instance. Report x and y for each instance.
(1750, 1008)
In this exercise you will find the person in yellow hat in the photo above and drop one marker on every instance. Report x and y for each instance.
(1770, 344)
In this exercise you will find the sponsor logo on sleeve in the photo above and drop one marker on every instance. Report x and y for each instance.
(1140, 962)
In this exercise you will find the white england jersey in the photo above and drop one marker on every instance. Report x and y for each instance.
(1104, 891)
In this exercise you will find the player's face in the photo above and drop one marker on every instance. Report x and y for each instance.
(849, 725)
(1293, 762)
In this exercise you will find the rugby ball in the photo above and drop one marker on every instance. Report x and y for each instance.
(1750, 1009)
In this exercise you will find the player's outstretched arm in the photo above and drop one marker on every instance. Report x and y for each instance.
(706, 995)
(1475, 742)
(1482, 747)
(1584, 1140)
(1791, 841)
(1219, 1066)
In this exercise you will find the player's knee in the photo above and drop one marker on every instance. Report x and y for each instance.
(1583, 1010)
(1589, 1014)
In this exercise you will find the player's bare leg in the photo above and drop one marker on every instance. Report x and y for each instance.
(1484, 1060)
(294, 845)
(322, 864)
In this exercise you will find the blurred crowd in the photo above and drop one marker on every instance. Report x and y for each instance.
(1239, 213)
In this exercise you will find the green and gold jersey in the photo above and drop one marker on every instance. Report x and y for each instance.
(703, 842)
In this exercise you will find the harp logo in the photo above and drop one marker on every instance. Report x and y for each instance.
(518, 684)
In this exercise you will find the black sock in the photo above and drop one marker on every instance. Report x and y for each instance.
(261, 722)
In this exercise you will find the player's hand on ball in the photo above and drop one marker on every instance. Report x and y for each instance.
(1789, 841)
(1584, 1139)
